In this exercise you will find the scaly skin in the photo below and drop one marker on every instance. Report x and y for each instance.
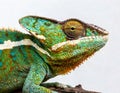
(52, 48)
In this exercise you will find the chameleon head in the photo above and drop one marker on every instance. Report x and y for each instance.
(68, 43)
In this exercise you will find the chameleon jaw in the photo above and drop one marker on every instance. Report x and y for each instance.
(74, 42)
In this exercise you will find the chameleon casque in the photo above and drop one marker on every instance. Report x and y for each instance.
(52, 48)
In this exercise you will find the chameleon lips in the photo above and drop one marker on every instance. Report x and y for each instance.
(74, 42)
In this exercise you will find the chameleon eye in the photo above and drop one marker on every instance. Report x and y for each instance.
(73, 29)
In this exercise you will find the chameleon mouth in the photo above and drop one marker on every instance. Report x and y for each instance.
(80, 40)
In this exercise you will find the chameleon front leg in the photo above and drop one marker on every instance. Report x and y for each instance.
(35, 77)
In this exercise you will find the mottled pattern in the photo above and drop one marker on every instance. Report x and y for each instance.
(15, 63)
(52, 49)
(51, 30)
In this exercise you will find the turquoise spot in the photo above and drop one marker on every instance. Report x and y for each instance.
(88, 32)
(12, 53)
(1, 64)
(95, 33)
(1, 41)
(0, 52)
(14, 58)
(23, 51)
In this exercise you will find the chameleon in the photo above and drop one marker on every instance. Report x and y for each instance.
(50, 49)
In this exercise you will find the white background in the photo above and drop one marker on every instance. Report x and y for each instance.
(102, 71)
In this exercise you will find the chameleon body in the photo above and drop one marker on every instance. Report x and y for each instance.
(52, 48)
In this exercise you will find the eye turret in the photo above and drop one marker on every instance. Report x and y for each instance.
(73, 29)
